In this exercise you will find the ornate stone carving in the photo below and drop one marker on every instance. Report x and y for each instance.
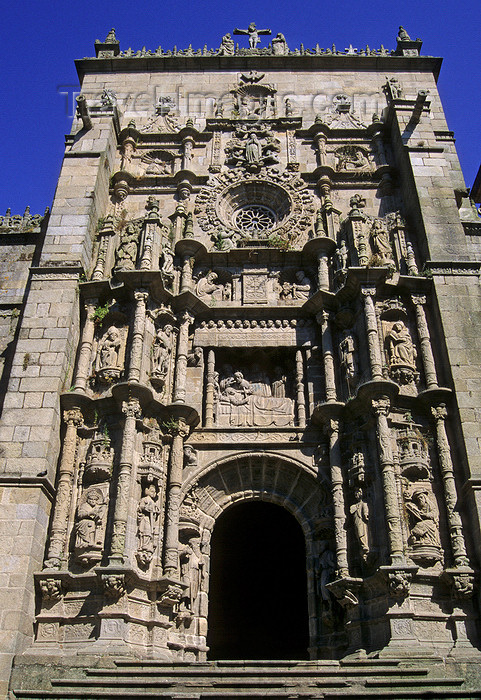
(148, 512)
(158, 163)
(253, 33)
(351, 158)
(191, 572)
(248, 151)
(100, 454)
(51, 589)
(226, 46)
(90, 524)
(399, 583)
(348, 358)
(301, 288)
(341, 115)
(326, 570)
(208, 288)
(113, 585)
(380, 244)
(190, 456)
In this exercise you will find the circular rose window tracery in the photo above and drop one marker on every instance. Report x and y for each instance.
(254, 218)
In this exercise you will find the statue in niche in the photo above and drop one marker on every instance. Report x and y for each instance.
(347, 351)
(109, 347)
(167, 260)
(241, 402)
(400, 347)
(148, 512)
(380, 243)
(126, 254)
(342, 256)
(191, 572)
(89, 526)
(226, 46)
(423, 527)
(160, 354)
(195, 358)
(190, 456)
(246, 149)
(279, 45)
(351, 158)
(253, 150)
(209, 287)
(360, 518)
(107, 364)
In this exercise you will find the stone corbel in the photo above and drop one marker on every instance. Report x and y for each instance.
(113, 585)
(461, 582)
(52, 589)
(399, 579)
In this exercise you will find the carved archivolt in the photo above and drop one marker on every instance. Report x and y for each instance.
(284, 195)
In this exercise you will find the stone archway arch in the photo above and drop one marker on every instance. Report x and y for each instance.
(266, 477)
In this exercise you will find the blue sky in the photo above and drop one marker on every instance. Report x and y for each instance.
(40, 41)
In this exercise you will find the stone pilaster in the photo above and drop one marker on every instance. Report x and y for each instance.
(419, 301)
(301, 399)
(328, 355)
(171, 555)
(368, 294)
(209, 390)
(131, 410)
(137, 345)
(381, 407)
(181, 358)
(58, 531)
(455, 525)
(86, 342)
(335, 461)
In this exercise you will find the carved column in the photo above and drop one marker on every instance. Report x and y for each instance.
(137, 346)
(372, 332)
(131, 410)
(86, 342)
(419, 300)
(209, 390)
(181, 359)
(58, 532)
(171, 557)
(328, 354)
(186, 284)
(323, 270)
(149, 234)
(335, 460)
(301, 400)
(450, 495)
(381, 407)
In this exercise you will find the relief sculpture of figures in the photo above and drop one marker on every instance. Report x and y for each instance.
(89, 526)
(253, 33)
(147, 515)
(126, 254)
(241, 402)
(226, 46)
(300, 289)
(209, 287)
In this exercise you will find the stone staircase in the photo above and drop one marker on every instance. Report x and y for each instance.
(379, 678)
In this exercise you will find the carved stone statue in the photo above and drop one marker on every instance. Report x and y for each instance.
(347, 352)
(351, 158)
(226, 46)
(89, 526)
(253, 152)
(147, 515)
(190, 456)
(380, 243)
(400, 347)
(279, 383)
(279, 45)
(208, 287)
(360, 518)
(107, 365)
(253, 33)
(327, 567)
(161, 349)
(423, 519)
(126, 254)
(191, 571)
(342, 255)
(302, 286)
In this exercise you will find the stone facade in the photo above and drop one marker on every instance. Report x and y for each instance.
(259, 281)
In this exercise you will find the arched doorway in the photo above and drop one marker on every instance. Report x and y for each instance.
(258, 588)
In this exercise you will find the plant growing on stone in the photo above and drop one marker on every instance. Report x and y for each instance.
(100, 312)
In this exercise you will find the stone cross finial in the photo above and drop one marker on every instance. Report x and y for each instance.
(253, 33)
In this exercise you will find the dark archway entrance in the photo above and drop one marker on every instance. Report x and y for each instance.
(258, 588)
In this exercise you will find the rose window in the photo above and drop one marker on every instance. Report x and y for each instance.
(255, 219)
